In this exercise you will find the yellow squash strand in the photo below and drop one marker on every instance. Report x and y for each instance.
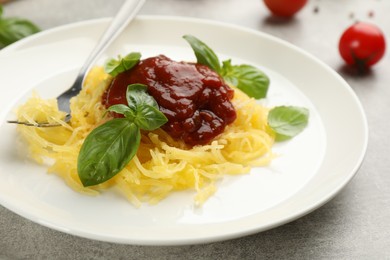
(162, 165)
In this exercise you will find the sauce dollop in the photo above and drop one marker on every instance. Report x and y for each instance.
(193, 97)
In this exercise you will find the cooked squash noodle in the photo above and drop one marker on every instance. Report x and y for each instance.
(162, 165)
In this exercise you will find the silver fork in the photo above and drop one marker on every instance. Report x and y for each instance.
(124, 16)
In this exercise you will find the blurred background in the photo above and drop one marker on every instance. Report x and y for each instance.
(315, 28)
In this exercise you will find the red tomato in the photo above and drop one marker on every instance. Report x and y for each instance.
(362, 44)
(285, 8)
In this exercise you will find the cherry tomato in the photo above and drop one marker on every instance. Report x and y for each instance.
(285, 8)
(362, 45)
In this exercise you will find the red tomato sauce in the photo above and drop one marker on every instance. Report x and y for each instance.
(194, 98)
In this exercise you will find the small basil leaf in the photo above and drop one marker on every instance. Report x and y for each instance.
(247, 78)
(130, 114)
(114, 67)
(130, 60)
(14, 29)
(136, 95)
(149, 118)
(119, 108)
(107, 150)
(287, 121)
(204, 54)
(145, 111)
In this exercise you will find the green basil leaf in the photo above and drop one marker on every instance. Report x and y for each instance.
(247, 78)
(14, 29)
(114, 67)
(145, 112)
(149, 118)
(136, 95)
(131, 59)
(1, 11)
(287, 121)
(107, 150)
(204, 54)
(119, 108)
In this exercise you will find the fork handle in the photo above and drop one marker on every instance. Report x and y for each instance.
(126, 13)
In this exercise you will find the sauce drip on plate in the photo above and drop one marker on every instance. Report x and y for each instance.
(193, 97)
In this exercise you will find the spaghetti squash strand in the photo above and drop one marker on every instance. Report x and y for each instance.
(162, 165)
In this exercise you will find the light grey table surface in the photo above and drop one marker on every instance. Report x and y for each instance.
(353, 225)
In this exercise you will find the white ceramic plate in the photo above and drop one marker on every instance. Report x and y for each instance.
(311, 168)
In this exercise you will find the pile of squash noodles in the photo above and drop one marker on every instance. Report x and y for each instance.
(162, 165)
